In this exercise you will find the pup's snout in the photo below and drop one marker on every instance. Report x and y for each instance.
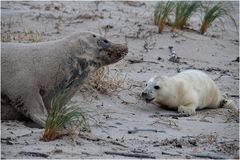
(144, 93)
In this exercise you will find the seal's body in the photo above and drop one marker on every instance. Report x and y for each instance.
(33, 74)
(185, 92)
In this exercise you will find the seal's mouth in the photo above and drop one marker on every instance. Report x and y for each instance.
(149, 100)
(116, 52)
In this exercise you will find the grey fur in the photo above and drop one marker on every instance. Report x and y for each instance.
(33, 74)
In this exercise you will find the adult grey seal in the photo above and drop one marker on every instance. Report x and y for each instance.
(33, 74)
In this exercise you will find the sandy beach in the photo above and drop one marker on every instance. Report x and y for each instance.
(122, 124)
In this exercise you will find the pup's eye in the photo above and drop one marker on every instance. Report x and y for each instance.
(105, 41)
(146, 84)
(156, 87)
(94, 35)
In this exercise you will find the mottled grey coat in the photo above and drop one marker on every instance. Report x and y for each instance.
(33, 74)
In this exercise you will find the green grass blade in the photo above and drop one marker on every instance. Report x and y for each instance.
(60, 116)
(184, 10)
(162, 12)
(214, 12)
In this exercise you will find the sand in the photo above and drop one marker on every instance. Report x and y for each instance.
(115, 117)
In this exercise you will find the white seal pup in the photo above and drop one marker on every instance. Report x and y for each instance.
(33, 74)
(185, 92)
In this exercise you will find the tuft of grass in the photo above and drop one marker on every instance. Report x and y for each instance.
(161, 14)
(97, 5)
(105, 83)
(184, 10)
(33, 36)
(26, 36)
(60, 116)
(6, 37)
(214, 12)
(58, 24)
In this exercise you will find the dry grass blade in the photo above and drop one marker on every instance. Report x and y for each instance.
(58, 24)
(161, 13)
(106, 83)
(184, 10)
(26, 36)
(60, 116)
(214, 12)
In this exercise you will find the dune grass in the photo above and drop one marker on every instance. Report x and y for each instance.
(214, 12)
(61, 116)
(161, 14)
(184, 10)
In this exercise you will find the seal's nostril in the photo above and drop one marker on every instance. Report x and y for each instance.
(144, 93)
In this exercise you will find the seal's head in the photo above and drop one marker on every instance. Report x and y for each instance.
(155, 89)
(97, 49)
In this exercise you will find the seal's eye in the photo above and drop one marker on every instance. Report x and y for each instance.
(156, 87)
(146, 84)
(103, 43)
(94, 35)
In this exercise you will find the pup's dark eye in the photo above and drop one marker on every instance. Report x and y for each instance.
(94, 35)
(156, 87)
(146, 84)
(105, 41)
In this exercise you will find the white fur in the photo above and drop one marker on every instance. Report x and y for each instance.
(186, 91)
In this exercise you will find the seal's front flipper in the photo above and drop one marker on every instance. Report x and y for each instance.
(187, 110)
(40, 120)
(8, 112)
(35, 109)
